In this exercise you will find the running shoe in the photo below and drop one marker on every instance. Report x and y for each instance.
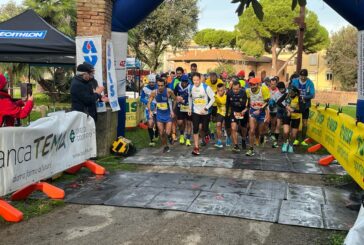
(250, 152)
(303, 143)
(296, 142)
(196, 151)
(203, 143)
(275, 144)
(182, 139)
(151, 144)
(218, 144)
(156, 139)
(290, 149)
(188, 142)
(236, 148)
(166, 149)
(284, 147)
(228, 141)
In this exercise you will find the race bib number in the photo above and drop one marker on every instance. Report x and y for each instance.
(200, 102)
(162, 106)
(238, 115)
(184, 108)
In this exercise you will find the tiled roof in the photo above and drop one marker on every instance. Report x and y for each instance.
(217, 54)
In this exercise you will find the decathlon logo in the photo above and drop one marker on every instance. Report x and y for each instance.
(89, 48)
(23, 34)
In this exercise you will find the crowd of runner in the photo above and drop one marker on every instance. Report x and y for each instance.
(226, 109)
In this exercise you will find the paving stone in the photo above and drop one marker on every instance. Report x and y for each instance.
(228, 185)
(173, 199)
(134, 197)
(164, 161)
(95, 195)
(307, 168)
(338, 217)
(123, 180)
(254, 164)
(192, 161)
(268, 189)
(301, 214)
(180, 181)
(305, 158)
(336, 169)
(257, 208)
(338, 197)
(274, 165)
(220, 162)
(304, 193)
(140, 159)
(214, 203)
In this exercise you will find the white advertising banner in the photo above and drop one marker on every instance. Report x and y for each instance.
(89, 49)
(361, 65)
(111, 77)
(48, 146)
(120, 43)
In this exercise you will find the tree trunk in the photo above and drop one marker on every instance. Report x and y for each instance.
(286, 63)
(275, 41)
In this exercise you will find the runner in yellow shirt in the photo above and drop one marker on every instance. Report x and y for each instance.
(220, 100)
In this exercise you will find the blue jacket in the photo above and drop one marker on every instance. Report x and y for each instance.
(308, 93)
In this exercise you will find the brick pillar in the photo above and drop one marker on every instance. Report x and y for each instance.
(94, 18)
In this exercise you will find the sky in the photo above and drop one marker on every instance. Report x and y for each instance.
(220, 14)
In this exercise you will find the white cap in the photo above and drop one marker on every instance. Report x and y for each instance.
(152, 78)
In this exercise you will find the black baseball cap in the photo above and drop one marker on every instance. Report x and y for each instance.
(304, 72)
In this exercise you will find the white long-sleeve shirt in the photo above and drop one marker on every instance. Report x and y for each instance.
(201, 97)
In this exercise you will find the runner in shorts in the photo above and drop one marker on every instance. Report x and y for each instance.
(144, 98)
(292, 105)
(280, 111)
(165, 108)
(220, 100)
(273, 109)
(237, 114)
(183, 120)
(200, 101)
(258, 113)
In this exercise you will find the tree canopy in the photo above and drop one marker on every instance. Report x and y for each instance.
(277, 31)
(61, 14)
(342, 56)
(171, 25)
(9, 10)
(215, 38)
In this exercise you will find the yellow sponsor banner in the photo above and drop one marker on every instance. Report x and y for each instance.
(134, 113)
(340, 135)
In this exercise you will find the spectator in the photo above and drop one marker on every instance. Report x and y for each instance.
(10, 110)
(83, 96)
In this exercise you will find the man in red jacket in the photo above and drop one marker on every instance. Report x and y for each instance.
(10, 110)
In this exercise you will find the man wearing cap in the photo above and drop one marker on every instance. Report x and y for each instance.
(258, 97)
(181, 92)
(144, 98)
(83, 96)
(10, 110)
(307, 93)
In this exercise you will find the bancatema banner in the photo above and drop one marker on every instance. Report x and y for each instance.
(342, 137)
(48, 146)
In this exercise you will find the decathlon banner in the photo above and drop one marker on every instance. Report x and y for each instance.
(48, 146)
(340, 135)
(89, 49)
(112, 87)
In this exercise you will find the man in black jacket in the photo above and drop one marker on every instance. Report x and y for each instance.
(83, 96)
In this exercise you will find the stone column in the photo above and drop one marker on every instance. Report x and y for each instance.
(94, 18)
